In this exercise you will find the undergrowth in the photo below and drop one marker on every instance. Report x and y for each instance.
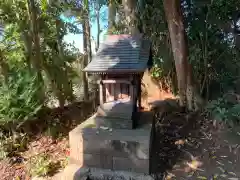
(12, 144)
(19, 99)
(43, 165)
(39, 165)
(225, 109)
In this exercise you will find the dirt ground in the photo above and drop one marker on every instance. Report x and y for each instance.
(185, 147)
(188, 146)
(47, 136)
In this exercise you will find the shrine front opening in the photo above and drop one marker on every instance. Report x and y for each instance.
(119, 95)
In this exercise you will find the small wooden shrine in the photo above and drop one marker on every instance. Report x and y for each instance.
(120, 63)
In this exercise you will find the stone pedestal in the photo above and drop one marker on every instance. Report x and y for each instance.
(114, 149)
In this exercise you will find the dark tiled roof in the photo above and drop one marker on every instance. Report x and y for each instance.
(121, 53)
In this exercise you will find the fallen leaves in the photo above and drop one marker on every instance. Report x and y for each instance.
(221, 169)
(224, 156)
(170, 176)
(200, 153)
(201, 177)
(180, 142)
(194, 165)
(232, 173)
(219, 163)
(16, 170)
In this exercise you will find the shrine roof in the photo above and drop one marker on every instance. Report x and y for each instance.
(121, 53)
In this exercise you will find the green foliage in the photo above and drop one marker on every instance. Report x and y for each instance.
(3, 154)
(154, 26)
(43, 165)
(15, 143)
(54, 128)
(213, 43)
(39, 165)
(19, 98)
(56, 57)
(225, 109)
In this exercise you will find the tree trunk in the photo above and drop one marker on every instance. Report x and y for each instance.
(28, 39)
(187, 92)
(37, 60)
(88, 37)
(179, 48)
(61, 90)
(4, 67)
(130, 16)
(86, 33)
(37, 63)
(98, 30)
(111, 15)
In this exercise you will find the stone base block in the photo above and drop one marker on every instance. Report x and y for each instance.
(114, 149)
(73, 172)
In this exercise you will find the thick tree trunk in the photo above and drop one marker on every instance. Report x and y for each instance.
(130, 16)
(97, 8)
(111, 15)
(37, 61)
(88, 37)
(176, 31)
(64, 91)
(86, 47)
(188, 95)
(98, 30)
(27, 39)
(85, 60)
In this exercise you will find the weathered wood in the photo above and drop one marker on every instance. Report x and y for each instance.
(114, 81)
(124, 91)
(139, 93)
(101, 94)
(117, 91)
(107, 93)
(113, 91)
(131, 89)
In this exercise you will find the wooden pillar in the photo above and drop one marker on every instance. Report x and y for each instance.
(113, 91)
(101, 100)
(131, 89)
(139, 93)
(134, 94)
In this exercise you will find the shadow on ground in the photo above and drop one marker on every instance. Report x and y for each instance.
(187, 146)
(172, 127)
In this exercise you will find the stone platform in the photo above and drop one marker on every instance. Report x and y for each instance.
(113, 149)
(73, 172)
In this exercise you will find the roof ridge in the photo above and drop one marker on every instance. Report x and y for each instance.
(117, 37)
(125, 55)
